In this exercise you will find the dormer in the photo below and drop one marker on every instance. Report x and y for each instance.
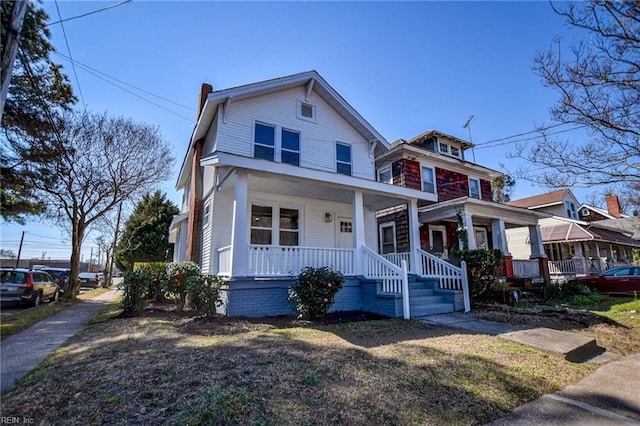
(560, 203)
(441, 143)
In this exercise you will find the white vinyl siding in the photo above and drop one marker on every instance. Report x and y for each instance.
(518, 242)
(207, 209)
(317, 144)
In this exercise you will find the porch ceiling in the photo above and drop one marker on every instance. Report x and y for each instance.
(482, 211)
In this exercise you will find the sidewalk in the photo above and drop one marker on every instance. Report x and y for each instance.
(608, 396)
(21, 352)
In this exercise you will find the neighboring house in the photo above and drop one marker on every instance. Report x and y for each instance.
(590, 213)
(456, 195)
(576, 247)
(280, 175)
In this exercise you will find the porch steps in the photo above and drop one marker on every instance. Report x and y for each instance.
(423, 299)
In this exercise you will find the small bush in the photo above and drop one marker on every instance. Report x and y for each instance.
(177, 278)
(483, 267)
(204, 293)
(314, 291)
(563, 291)
(586, 299)
(135, 286)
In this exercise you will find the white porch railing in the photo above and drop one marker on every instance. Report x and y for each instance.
(397, 258)
(562, 267)
(450, 276)
(277, 261)
(523, 268)
(378, 268)
(224, 261)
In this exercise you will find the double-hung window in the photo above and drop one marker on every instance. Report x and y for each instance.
(428, 180)
(571, 210)
(444, 148)
(290, 147)
(264, 141)
(343, 159)
(265, 231)
(474, 188)
(387, 238)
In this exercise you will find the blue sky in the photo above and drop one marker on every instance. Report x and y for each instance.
(405, 66)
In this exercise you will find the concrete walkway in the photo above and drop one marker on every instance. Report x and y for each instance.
(608, 396)
(21, 352)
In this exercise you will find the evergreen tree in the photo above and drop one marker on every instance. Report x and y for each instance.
(146, 233)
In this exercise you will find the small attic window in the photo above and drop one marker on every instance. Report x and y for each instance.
(455, 152)
(444, 147)
(306, 111)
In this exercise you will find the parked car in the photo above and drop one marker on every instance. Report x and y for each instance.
(60, 276)
(26, 286)
(620, 280)
(89, 279)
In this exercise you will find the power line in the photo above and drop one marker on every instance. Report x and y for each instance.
(66, 40)
(484, 145)
(93, 70)
(90, 13)
(133, 93)
(522, 134)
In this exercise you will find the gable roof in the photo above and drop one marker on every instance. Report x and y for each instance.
(310, 79)
(542, 200)
(602, 212)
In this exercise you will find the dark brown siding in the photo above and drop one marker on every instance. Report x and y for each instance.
(401, 219)
(451, 184)
(485, 190)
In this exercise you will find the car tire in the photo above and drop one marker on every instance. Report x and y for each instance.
(55, 297)
(37, 299)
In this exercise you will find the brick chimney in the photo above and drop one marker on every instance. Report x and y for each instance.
(613, 205)
(194, 229)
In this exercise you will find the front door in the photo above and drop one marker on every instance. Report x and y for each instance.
(438, 240)
(345, 232)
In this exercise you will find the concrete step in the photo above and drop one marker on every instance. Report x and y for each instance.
(431, 309)
(574, 347)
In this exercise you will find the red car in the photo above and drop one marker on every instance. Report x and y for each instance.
(622, 280)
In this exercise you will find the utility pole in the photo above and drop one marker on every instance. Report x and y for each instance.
(10, 48)
(90, 269)
(20, 250)
(113, 247)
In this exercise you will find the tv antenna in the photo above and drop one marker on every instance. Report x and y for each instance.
(467, 125)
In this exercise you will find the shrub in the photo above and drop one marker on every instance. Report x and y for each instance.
(483, 267)
(135, 286)
(177, 278)
(563, 291)
(314, 291)
(157, 271)
(203, 292)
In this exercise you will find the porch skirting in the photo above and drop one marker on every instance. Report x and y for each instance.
(264, 297)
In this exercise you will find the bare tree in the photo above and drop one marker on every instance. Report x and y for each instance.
(101, 161)
(598, 80)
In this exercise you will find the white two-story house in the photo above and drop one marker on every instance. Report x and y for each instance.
(280, 175)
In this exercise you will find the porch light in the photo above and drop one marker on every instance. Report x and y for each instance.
(328, 218)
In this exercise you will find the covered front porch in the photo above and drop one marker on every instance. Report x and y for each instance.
(479, 224)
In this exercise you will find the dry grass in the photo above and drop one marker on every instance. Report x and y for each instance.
(166, 368)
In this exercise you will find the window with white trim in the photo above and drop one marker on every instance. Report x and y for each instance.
(306, 111)
(428, 180)
(384, 175)
(264, 141)
(290, 152)
(482, 241)
(265, 231)
(455, 152)
(343, 159)
(387, 237)
(571, 210)
(443, 147)
(474, 188)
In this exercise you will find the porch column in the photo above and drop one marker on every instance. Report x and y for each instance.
(535, 237)
(358, 230)
(471, 235)
(537, 252)
(498, 231)
(414, 238)
(239, 233)
(579, 262)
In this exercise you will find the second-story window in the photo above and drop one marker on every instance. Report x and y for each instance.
(343, 159)
(384, 175)
(428, 180)
(571, 210)
(474, 188)
(264, 141)
(291, 147)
